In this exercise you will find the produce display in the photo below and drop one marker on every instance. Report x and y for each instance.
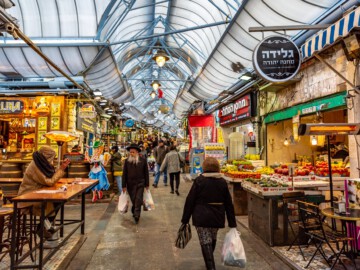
(321, 168)
(265, 170)
(243, 175)
(252, 157)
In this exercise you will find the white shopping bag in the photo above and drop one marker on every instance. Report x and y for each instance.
(123, 204)
(233, 252)
(148, 200)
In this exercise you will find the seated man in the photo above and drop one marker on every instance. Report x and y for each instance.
(40, 174)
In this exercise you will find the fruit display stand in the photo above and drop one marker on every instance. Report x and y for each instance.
(215, 150)
(238, 195)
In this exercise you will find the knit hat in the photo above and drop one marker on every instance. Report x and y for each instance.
(47, 152)
(211, 164)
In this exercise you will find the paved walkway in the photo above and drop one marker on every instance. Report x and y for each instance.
(115, 242)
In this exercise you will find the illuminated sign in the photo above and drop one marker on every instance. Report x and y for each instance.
(87, 111)
(239, 110)
(11, 106)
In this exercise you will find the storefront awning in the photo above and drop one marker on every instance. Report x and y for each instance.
(333, 33)
(323, 104)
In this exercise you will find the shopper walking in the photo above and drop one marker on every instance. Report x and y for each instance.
(207, 202)
(135, 179)
(172, 163)
(159, 153)
(116, 166)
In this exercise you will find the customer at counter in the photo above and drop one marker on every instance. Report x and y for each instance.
(40, 174)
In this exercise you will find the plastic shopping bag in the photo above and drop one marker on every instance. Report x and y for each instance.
(233, 252)
(123, 204)
(148, 201)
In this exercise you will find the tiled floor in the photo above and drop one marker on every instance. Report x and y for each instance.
(294, 257)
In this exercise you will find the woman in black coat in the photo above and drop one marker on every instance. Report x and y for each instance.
(207, 202)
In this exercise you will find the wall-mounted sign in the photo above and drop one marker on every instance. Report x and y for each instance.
(87, 111)
(239, 110)
(277, 59)
(86, 124)
(42, 105)
(11, 106)
(129, 123)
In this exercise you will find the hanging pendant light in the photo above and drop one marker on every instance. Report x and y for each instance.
(155, 85)
(160, 58)
(286, 142)
(153, 94)
(314, 140)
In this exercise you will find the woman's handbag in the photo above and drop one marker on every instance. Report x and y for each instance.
(182, 163)
(184, 236)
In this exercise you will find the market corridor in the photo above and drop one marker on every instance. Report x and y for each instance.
(116, 243)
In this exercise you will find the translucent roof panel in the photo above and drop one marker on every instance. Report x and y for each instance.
(112, 44)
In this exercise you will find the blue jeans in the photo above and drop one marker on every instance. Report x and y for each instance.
(157, 175)
(118, 182)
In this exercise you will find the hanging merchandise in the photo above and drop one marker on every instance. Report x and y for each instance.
(160, 93)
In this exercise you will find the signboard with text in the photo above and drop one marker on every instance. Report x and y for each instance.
(237, 111)
(277, 59)
(9, 106)
(86, 124)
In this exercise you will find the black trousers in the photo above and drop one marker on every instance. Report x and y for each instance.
(136, 193)
(175, 175)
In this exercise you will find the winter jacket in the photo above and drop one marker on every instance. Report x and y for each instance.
(171, 162)
(134, 174)
(208, 201)
(116, 162)
(33, 180)
(159, 153)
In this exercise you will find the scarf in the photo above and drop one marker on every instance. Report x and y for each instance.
(43, 165)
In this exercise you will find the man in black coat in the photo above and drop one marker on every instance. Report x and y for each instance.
(135, 178)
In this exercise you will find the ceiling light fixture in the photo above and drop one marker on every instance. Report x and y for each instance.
(155, 85)
(286, 142)
(160, 58)
(246, 76)
(153, 94)
(314, 140)
(97, 92)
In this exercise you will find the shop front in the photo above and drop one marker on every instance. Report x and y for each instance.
(23, 123)
(238, 129)
(283, 143)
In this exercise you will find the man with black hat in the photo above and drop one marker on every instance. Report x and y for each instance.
(159, 153)
(135, 178)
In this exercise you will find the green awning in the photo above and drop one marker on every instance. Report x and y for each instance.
(323, 104)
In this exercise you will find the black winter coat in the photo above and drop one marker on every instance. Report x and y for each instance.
(134, 174)
(208, 201)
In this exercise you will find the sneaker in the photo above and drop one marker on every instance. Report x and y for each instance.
(154, 185)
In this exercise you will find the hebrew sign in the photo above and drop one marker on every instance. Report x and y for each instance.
(276, 59)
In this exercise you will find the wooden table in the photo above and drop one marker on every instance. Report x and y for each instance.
(73, 190)
(348, 221)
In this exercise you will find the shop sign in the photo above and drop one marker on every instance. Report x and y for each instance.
(87, 111)
(11, 106)
(236, 111)
(129, 123)
(277, 59)
(86, 124)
